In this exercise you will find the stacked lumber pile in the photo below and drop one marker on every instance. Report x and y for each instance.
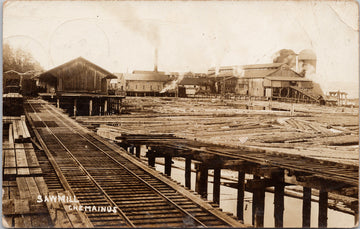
(18, 130)
(21, 208)
(13, 104)
(23, 182)
(19, 205)
(20, 160)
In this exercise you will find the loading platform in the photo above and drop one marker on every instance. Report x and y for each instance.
(102, 176)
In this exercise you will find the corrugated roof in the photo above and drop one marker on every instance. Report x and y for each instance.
(153, 76)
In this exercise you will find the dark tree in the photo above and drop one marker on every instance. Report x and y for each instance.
(19, 60)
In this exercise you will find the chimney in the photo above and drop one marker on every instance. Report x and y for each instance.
(156, 60)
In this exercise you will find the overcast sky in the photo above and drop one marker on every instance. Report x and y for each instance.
(190, 36)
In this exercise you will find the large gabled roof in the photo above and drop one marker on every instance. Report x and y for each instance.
(80, 59)
(274, 70)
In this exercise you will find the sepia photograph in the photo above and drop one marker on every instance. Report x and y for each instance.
(180, 114)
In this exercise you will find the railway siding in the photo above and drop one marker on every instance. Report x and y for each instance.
(100, 174)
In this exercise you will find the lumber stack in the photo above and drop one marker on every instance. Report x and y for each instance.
(20, 209)
(13, 104)
(20, 160)
(19, 131)
(23, 182)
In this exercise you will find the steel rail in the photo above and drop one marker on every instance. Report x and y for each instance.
(121, 213)
(134, 174)
(128, 170)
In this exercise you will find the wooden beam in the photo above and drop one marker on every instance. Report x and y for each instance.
(137, 151)
(75, 108)
(201, 180)
(323, 208)
(105, 107)
(233, 164)
(168, 163)
(90, 107)
(151, 158)
(259, 183)
(254, 201)
(259, 196)
(240, 195)
(216, 185)
(356, 219)
(306, 209)
(131, 149)
(279, 199)
(188, 172)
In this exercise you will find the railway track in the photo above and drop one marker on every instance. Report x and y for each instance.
(99, 176)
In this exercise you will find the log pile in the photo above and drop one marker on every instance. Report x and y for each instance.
(316, 131)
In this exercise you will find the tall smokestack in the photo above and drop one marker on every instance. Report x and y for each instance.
(156, 60)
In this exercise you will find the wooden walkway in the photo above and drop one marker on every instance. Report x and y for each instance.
(101, 176)
(23, 183)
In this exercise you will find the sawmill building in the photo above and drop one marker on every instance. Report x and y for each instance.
(145, 83)
(276, 81)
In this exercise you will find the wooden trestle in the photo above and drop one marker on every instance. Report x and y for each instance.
(268, 169)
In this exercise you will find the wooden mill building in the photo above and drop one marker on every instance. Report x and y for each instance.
(276, 81)
(195, 86)
(145, 83)
(81, 87)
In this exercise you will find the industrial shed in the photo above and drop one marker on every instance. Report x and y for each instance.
(145, 83)
(276, 81)
(195, 86)
(81, 88)
(78, 75)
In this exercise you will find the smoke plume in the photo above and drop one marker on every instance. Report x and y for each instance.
(130, 19)
(173, 84)
(286, 56)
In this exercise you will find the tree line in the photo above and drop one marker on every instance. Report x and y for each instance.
(19, 60)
